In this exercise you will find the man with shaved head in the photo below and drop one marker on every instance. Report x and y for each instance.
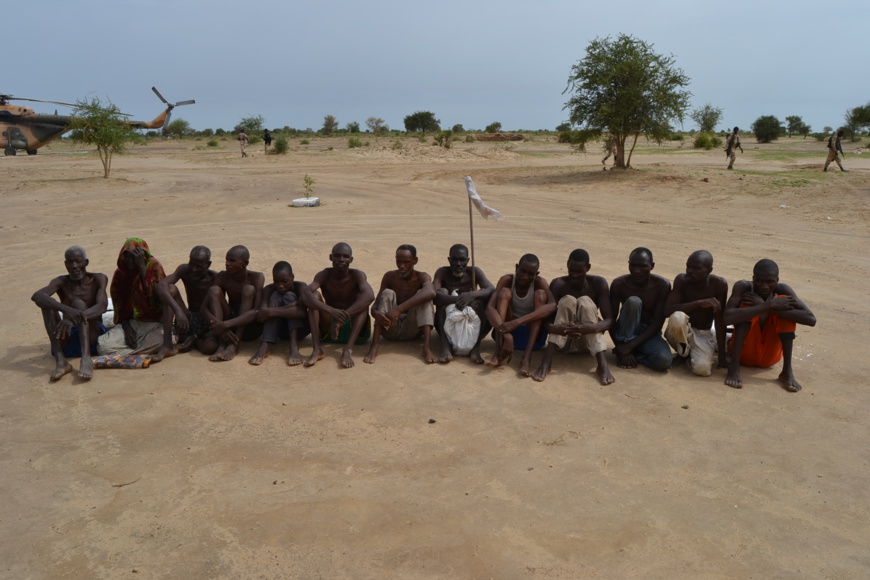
(83, 300)
(696, 302)
(764, 313)
(190, 327)
(341, 307)
(230, 306)
(639, 298)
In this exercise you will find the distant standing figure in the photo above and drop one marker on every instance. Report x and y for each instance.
(243, 143)
(267, 138)
(609, 149)
(731, 146)
(835, 147)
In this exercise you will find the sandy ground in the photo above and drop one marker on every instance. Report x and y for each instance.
(192, 469)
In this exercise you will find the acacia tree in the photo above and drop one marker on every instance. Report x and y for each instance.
(856, 119)
(422, 121)
(376, 125)
(767, 128)
(250, 125)
(179, 127)
(623, 87)
(707, 117)
(330, 124)
(103, 126)
(795, 126)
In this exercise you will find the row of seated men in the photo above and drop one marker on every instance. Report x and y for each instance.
(522, 311)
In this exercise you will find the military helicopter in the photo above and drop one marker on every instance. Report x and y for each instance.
(22, 128)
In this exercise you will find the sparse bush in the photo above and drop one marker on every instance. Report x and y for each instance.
(717, 141)
(353, 142)
(397, 145)
(458, 128)
(330, 148)
(212, 143)
(703, 141)
(304, 142)
(254, 139)
(469, 138)
(566, 126)
(352, 127)
(444, 138)
(820, 136)
(677, 136)
(280, 146)
(308, 184)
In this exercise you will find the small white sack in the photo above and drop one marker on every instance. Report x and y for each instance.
(462, 328)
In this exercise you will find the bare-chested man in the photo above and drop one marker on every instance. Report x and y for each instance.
(764, 313)
(471, 291)
(403, 306)
(579, 296)
(343, 313)
(284, 312)
(517, 309)
(639, 298)
(189, 323)
(83, 300)
(230, 306)
(696, 302)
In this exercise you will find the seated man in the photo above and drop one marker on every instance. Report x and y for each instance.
(138, 310)
(576, 325)
(230, 306)
(285, 315)
(189, 323)
(695, 302)
(459, 287)
(517, 309)
(637, 332)
(764, 313)
(346, 297)
(403, 306)
(82, 301)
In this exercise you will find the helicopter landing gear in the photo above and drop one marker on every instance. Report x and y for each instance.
(10, 150)
(31, 151)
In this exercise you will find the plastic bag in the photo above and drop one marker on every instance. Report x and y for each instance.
(462, 328)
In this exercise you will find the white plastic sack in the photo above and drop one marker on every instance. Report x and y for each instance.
(462, 328)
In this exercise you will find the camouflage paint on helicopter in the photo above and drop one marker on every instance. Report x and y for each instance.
(21, 128)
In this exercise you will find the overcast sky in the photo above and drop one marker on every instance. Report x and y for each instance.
(469, 62)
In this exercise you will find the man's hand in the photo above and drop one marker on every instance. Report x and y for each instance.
(63, 329)
(130, 337)
(504, 327)
(783, 303)
(182, 322)
(710, 303)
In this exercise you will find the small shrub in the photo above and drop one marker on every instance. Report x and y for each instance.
(565, 136)
(469, 138)
(253, 139)
(677, 137)
(280, 145)
(353, 142)
(308, 184)
(444, 139)
(397, 145)
(767, 128)
(703, 141)
(330, 148)
(458, 128)
(304, 142)
(717, 141)
(212, 143)
(493, 127)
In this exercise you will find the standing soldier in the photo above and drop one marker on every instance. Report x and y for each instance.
(609, 149)
(243, 142)
(835, 147)
(731, 146)
(267, 139)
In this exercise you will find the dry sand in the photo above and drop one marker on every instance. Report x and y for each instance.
(192, 469)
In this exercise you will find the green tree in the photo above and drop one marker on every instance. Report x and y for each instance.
(707, 117)
(330, 124)
(178, 127)
(493, 127)
(796, 126)
(376, 125)
(103, 126)
(566, 126)
(623, 87)
(767, 128)
(458, 128)
(856, 119)
(250, 125)
(422, 121)
(352, 127)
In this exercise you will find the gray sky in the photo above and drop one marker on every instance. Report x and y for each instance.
(469, 62)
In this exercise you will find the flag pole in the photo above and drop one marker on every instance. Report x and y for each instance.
(471, 229)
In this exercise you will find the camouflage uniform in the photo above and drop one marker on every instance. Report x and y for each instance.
(731, 145)
(609, 147)
(833, 148)
(243, 142)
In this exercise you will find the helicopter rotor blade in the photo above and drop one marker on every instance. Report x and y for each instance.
(182, 103)
(9, 97)
(159, 96)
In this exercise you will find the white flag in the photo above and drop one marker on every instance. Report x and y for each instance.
(484, 209)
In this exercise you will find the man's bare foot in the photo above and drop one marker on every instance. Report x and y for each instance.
(227, 353)
(446, 352)
(503, 355)
(474, 355)
(526, 366)
(316, 356)
(787, 379)
(164, 352)
(86, 369)
(295, 359)
(259, 356)
(541, 374)
(63, 367)
(429, 356)
(604, 375)
(732, 379)
(372, 355)
(187, 344)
